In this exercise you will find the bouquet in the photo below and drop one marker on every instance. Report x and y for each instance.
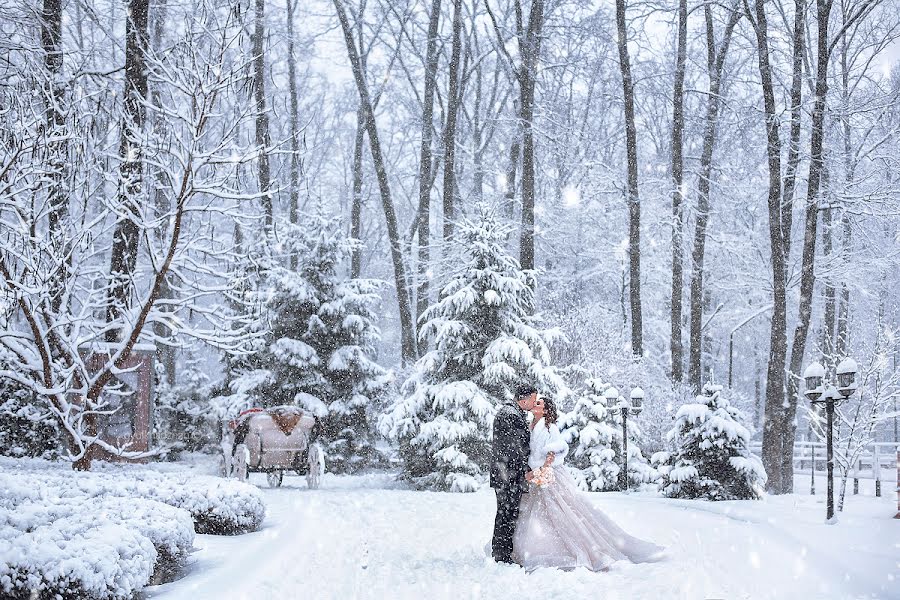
(543, 476)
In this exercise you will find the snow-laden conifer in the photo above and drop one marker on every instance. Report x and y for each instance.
(591, 434)
(320, 342)
(712, 459)
(594, 431)
(484, 341)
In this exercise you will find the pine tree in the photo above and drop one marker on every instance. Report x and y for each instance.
(591, 434)
(182, 420)
(486, 341)
(320, 343)
(594, 433)
(713, 459)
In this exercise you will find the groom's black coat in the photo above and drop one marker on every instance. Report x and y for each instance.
(509, 463)
(509, 460)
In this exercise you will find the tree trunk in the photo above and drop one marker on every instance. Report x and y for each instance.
(125, 237)
(57, 144)
(530, 45)
(843, 320)
(634, 204)
(407, 331)
(165, 348)
(453, 98)
(515, 149)
(263, 141)
(356, 207)
(425, 178)
(774, 413)
(793, 158)
(807, 273)
(293, 207)
(826, 343)
(715, 64)
(676, 347)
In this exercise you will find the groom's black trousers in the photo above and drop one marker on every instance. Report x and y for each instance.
(508, 498)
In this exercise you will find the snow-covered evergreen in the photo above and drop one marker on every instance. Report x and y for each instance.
(320, 342)
(591, 435)
(182, 419)
(594, 433)
(485, 340)
(27, 428)
(712, 459)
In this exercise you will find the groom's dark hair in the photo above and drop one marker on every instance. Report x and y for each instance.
(525, 390)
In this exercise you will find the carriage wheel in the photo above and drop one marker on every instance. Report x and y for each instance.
(239, 465)
(274, 478)
(316, 466)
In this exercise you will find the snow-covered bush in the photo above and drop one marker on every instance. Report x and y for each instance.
(57, 542)
(485, 342)
(27, 429)
(74, 558)
(170, 529)
(712, 459)
(220, 506)
(320, 344)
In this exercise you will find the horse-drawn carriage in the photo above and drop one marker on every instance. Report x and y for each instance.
(272, 441)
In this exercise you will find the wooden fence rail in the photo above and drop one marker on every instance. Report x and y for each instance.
(876, 461)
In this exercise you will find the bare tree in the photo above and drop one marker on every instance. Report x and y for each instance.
(263, 139)
(425, 176)
(807, 276)
(195, 165)
(295, 126)
(357, 205)
(453, 101)
(125, 238)
(715, 64)
(633, 199)
(773, 427)
(530, 48)
(408, 347)
(57, 144)
(676, 347)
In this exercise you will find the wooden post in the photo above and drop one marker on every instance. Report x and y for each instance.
(856, 477)
(897, 516)
(812, 471)
(876, 470)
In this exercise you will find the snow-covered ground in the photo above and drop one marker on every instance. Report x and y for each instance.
(368, 537)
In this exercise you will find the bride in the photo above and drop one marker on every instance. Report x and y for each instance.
(557, 526)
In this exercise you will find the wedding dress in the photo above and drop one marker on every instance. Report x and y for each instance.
(559, 528)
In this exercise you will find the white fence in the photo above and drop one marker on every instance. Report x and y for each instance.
(878, 461)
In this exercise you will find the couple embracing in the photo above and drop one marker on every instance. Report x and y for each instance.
(542, 518)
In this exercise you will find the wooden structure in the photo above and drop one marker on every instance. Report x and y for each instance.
(130, 395)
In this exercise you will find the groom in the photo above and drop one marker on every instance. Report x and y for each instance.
(509, 463)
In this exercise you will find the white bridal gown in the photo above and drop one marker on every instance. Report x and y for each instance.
(559, 528)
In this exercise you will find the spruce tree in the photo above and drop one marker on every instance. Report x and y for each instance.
(713, 459)
(485, 341)
(594, 432)
(320, 343)
(591, 435)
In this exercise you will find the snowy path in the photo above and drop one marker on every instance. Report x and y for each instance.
(364, 537)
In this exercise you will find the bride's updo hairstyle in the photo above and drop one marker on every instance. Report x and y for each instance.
(550, 412)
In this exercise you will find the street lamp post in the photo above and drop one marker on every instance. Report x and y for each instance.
(819, 393)
(618, 404)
